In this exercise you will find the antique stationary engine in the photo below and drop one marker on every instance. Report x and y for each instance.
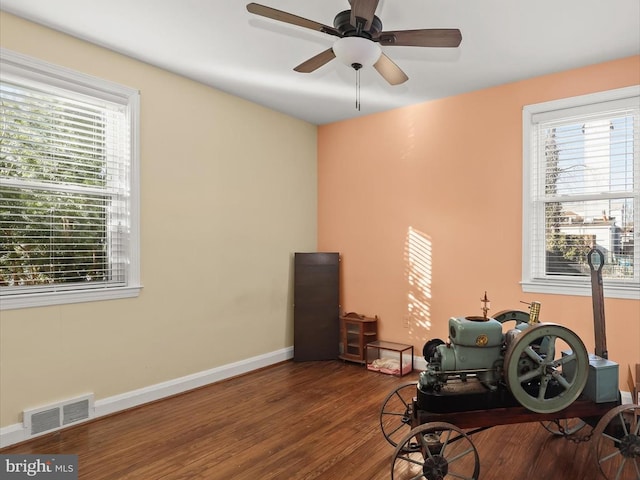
(490, 372)
(541, 366)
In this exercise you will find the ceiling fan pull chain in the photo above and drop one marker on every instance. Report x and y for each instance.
(358, 89)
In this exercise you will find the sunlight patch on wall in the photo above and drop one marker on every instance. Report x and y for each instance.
(418, 273)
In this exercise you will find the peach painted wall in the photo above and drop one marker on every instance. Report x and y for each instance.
(425, 205)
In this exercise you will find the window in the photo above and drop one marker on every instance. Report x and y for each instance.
(582, 190)
(68, 186)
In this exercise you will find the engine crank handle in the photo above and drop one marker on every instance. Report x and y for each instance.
(597, 298)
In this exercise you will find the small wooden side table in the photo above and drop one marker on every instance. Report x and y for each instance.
(401, 348)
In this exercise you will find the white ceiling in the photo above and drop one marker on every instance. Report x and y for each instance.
(219, 43)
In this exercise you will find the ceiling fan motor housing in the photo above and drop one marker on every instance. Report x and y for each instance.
(342, 23)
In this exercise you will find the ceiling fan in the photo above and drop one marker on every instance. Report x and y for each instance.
(360, 36)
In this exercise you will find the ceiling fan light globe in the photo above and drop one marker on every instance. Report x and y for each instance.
(357, 50)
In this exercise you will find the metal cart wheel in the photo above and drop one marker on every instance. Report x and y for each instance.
(538, 376)
(616, 443)
(435, 451)
(564, 427)
(396, 411)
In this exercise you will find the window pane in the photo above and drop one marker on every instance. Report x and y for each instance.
(589, 157)
(54, 210)
(572, 228)
(51, 138)
(52, 237)
(64, 211)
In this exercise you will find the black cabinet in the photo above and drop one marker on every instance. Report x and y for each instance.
(316, 306)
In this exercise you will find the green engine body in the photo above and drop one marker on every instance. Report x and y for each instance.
(476, 346)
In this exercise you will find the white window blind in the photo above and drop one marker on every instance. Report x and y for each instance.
(67, 154)
(582, 191)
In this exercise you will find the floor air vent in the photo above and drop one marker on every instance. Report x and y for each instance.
(58, 415)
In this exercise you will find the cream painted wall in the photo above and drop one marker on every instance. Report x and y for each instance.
(228, 194)
(440, 183)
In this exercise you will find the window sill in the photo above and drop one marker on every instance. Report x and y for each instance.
(61, 298)
(630, 292)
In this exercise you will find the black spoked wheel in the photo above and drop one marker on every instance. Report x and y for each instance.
(396, 411)
(616, 443)
(435, 451)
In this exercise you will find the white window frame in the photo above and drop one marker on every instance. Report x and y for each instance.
(26, 70)
(571, 285)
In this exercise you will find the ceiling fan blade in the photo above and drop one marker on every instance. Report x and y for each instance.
(435, 37)
(316, 62)
(391, 72)
(364, 9)
(286, 17)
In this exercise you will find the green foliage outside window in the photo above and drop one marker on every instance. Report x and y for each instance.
(53, 178)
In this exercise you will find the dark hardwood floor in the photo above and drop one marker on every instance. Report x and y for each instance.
(298, 421)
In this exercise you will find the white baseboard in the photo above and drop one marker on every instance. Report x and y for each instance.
(16, 433)
(419, 363)
(626, 398)
(12, 434)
